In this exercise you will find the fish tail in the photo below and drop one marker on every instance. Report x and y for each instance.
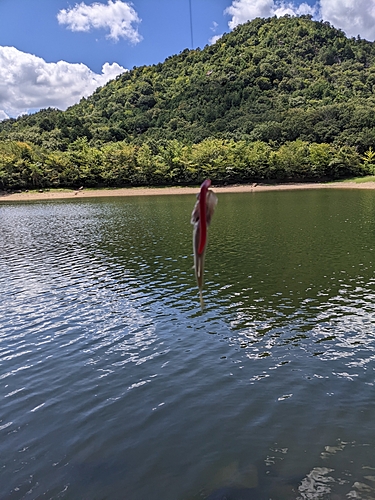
(201, 299)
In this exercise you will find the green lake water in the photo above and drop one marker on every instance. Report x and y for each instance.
(114, 385)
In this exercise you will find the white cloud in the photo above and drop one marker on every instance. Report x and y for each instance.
(28, 82)
(214, 39)
(246, 10)
(352, 16)
(355, 17)
(118, 17)
(293, 10)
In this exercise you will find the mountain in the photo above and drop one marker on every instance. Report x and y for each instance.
(270, 81)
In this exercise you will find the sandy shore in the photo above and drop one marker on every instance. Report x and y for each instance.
(245, 188)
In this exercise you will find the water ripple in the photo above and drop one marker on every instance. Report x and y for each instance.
(112, 380)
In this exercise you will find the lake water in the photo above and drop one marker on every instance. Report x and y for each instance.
(114, 385)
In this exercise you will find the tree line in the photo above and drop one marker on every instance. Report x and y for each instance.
(26, 166)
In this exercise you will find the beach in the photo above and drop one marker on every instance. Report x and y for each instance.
(157, 191)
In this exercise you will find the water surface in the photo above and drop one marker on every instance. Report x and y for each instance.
(114, 385)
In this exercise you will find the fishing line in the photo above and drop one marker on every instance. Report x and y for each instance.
(191, 25)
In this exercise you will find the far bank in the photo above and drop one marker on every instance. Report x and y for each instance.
(175, 190)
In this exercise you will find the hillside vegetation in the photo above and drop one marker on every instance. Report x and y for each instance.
(276, 99)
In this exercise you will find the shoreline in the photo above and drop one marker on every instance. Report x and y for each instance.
(157, 191)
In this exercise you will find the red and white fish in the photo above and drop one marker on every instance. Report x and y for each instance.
(201, 218)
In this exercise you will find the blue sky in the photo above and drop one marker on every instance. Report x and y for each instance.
(53, 52)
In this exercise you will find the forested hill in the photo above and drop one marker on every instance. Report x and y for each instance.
(270, 82)
(270, 79)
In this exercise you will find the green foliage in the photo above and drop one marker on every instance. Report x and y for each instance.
(23, 165)
(368, 159)
(279, 98)
(291, 161)
(320, 156)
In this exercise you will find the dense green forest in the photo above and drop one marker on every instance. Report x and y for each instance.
(276, 99)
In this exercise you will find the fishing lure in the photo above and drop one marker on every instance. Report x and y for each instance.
(201, 218)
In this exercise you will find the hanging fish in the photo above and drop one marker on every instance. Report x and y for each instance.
(201, 218)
